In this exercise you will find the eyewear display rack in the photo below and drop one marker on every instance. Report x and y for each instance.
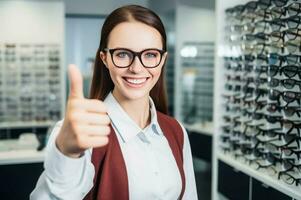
(32, 77)
(257, 100)
(31, 85)
(197, 64)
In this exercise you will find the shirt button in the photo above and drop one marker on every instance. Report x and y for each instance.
(156, 173)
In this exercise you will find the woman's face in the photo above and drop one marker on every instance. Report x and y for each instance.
(135, 81)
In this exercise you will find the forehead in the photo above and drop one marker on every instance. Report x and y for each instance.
(134, 35)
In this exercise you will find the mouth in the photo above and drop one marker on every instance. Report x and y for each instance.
(135, 82)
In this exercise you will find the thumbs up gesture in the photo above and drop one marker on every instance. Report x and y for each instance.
(86, 123)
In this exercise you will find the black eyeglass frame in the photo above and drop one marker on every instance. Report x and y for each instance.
(135, 53)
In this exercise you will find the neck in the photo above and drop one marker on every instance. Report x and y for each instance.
(138, 109)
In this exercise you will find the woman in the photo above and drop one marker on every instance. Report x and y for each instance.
(120, 144)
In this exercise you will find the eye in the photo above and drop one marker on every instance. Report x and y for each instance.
(122, 54)
(151, 54)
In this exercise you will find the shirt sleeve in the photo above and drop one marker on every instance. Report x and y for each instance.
(63, 177)
(190, 187)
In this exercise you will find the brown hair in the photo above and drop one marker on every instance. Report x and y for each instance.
(102, 83)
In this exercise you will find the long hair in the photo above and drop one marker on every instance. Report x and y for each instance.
(102, 83)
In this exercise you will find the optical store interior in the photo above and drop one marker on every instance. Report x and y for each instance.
(233, 77)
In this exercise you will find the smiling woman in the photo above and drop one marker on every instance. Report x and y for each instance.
(142, 73)
(120, 143)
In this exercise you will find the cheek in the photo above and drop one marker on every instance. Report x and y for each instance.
(156, 72)
(114, 72)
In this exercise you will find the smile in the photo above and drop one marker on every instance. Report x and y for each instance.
(135, 82)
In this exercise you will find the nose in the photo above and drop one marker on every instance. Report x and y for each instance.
(136, 66)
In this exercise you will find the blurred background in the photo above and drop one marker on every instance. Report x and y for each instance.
(226, 57)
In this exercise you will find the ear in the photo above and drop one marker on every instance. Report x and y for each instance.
(165, 55)
(103, 57)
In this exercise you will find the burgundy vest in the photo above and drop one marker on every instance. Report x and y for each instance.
(111, 181)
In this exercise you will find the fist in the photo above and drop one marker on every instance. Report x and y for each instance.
(86, 123)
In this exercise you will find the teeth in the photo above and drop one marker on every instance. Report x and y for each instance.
(136, 81)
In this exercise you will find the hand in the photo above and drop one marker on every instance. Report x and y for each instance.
(86, 123)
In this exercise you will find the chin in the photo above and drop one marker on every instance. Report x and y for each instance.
(135, 94)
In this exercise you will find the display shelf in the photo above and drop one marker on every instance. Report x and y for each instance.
(21, 156)
(33, 125)
(201, 128)
(238, 61)
(20, 151)
(272, 181)
(197, 63)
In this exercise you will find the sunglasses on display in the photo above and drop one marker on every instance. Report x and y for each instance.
(256, 93)
(290, 59)
(288, 96)
(286, 83)
(258, 37)
(290, 71)
(289, 111)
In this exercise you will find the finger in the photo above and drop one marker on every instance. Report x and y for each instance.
(76, 82)
(91, 118)
(94, 130)
(89, 105)
(96, 141)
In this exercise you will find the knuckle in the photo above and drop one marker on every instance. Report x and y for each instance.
(107, 120)
(102, 106)
(72, 117)
(107, 130)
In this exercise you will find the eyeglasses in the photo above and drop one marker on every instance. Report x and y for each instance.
(289, 111)
(277, 12)
(288, 96)
(258, 92)
(272, 132)
(291, 125)
(289, 151)
(279, 3)
(123, 57)
(293, 22)
(289, 165)
(290, 71)
(286, 83)
(259, 37)
(294, 9)
(291, 34)
(291, 59)
(289, 178)
(261, 163)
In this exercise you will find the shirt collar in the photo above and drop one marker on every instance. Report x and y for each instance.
(126, 127)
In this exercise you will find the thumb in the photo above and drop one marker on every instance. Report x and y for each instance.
(76, 82)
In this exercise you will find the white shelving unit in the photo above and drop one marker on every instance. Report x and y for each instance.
(268, 180)
(197, 61)
(222, 50)
(201, 128)
(32, 48)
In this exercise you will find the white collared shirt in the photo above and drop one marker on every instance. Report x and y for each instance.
(151, 167)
